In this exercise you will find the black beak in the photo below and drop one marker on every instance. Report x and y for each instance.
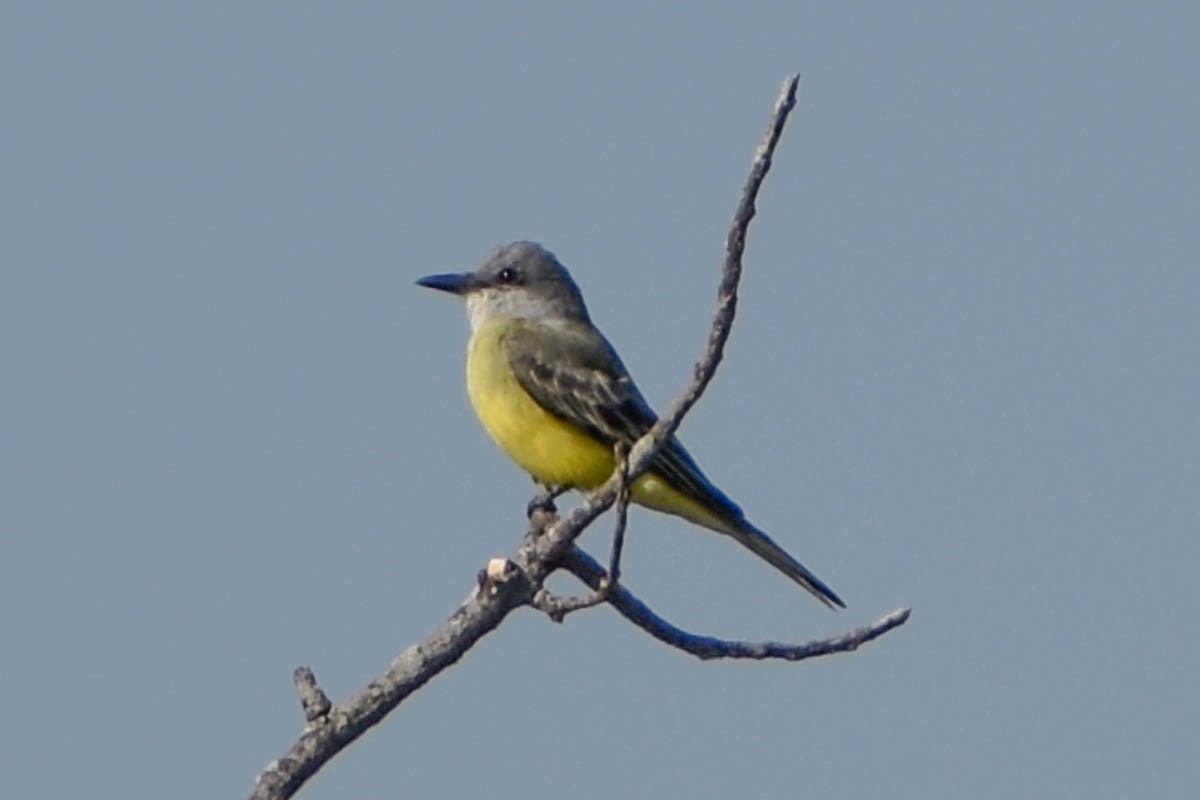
(453, 282)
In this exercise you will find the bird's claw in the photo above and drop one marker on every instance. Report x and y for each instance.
(544, 500)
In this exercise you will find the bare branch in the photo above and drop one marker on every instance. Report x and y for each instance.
(478, 615)
(557, 608)
(644, 450)
(705, 648)
(510, 583)
(735, 245)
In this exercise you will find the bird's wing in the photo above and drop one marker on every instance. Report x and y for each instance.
(574, 373)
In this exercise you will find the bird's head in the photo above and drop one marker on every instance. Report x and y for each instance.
(522, 280)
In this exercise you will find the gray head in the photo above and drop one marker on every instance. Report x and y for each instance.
(522, 280)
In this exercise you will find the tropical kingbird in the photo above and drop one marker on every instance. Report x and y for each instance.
(553, 393)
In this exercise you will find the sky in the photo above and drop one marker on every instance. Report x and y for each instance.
(963, 379)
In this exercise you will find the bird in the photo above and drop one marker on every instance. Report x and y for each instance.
(554, 395)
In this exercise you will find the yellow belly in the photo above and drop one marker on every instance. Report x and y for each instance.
(554, 452)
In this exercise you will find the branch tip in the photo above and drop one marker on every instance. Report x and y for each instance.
(313, 700)
(706, 648)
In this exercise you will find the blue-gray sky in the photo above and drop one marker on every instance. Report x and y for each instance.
(964, 378)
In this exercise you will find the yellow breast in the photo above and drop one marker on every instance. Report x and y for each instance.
(552, 451)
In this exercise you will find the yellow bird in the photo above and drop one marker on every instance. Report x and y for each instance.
(553, 393)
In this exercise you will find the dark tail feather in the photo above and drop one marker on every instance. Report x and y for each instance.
(763, 546)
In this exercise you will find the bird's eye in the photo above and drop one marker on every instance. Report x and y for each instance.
(507, 275)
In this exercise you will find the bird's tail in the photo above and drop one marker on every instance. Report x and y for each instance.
(764, 546)
(688, 494)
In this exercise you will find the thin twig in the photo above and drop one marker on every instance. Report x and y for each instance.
(618, 543)
(705, 648)
(735, 246)
(557, 607)
(567, 529)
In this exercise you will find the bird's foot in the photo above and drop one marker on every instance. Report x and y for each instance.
(544, 500)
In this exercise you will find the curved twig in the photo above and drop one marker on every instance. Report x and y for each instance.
(706, 648)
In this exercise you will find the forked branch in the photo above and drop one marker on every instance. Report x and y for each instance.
(511, 583)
